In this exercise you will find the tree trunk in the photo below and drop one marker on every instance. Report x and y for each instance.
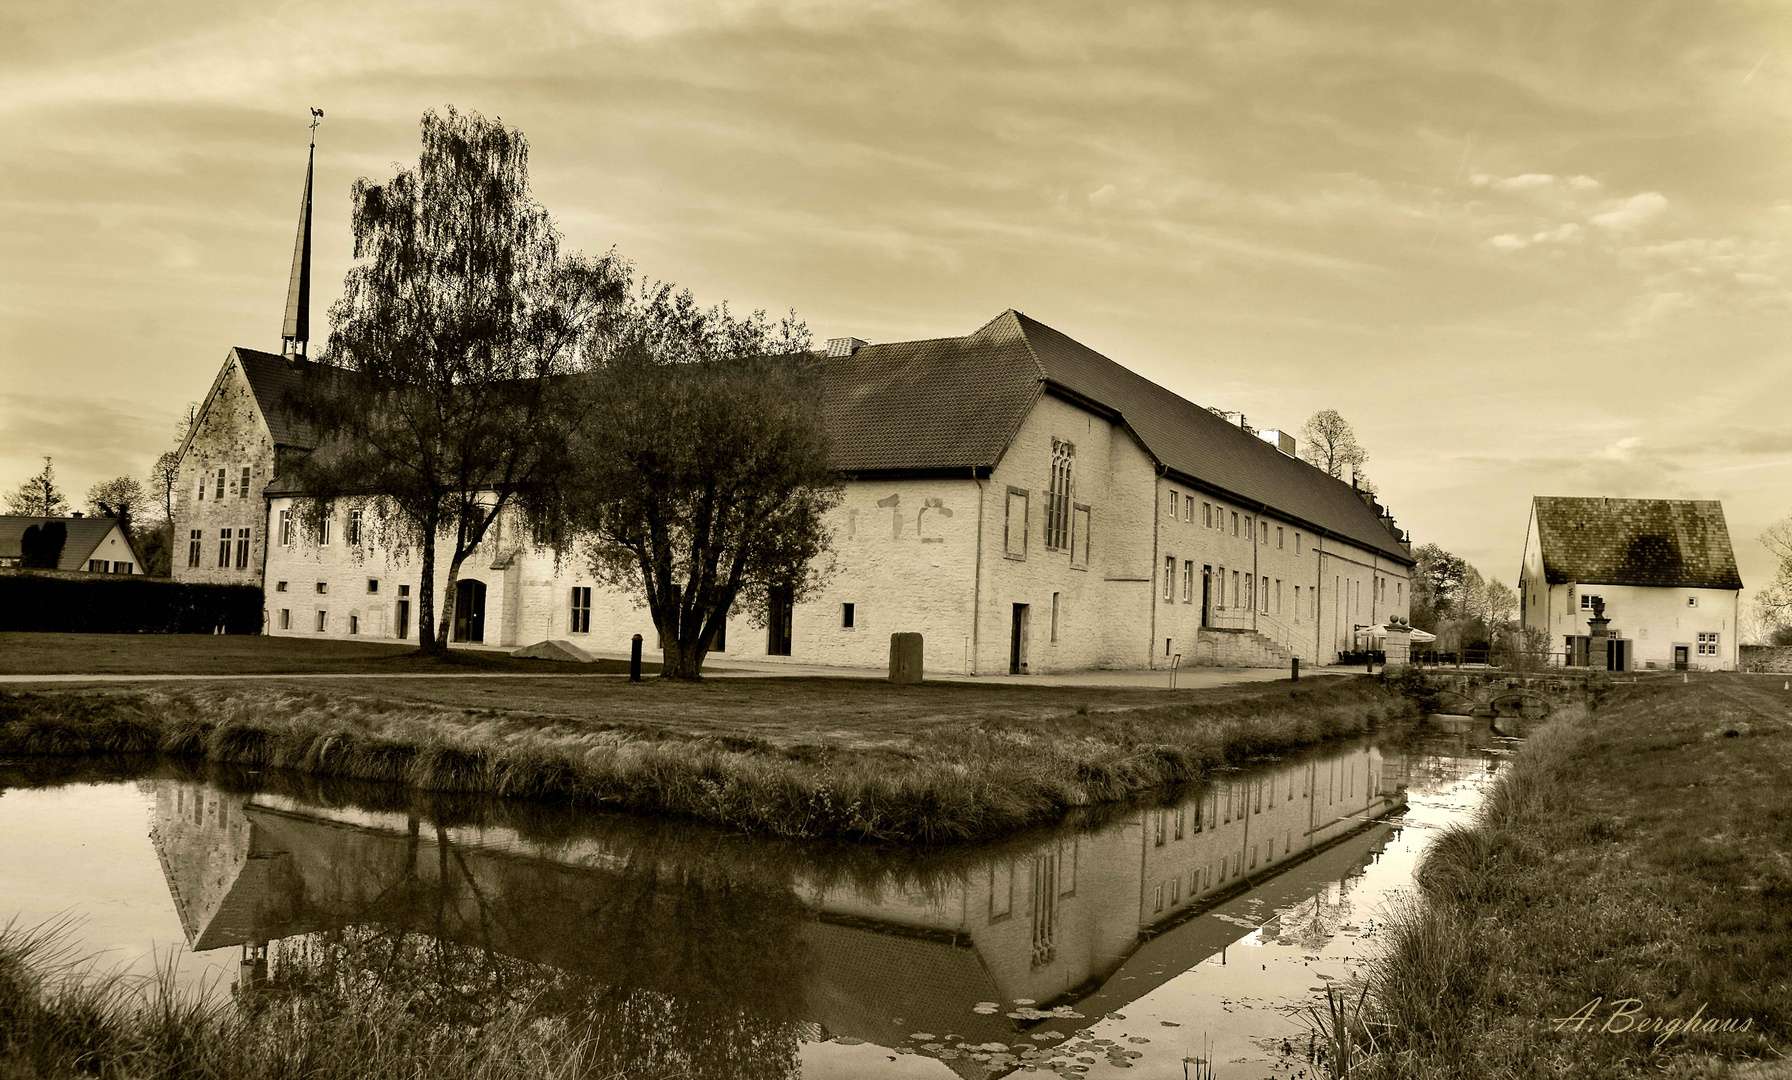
(679, 660)
(426, 597)
(448, 600)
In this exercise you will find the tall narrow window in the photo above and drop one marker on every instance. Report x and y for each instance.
(1297, 543)
(1237, 600)
(242, 549)
(1014, 543)
(323, 618)
(1054, 618)
(353, 536)
(1188, 581)
(286, 528)
(220, 492)
(1234, 523)
(1188, 508)
(1175, 502)
(205, 481)
(1281, 538)
(323, 531)
(1263, 527)
(1263, 595)
(846, 616)
(1057, 507)
(1207, 514)
(1169, 578)
(1219, 601)
(195, 542)
(223, 549)
(581, 609)
(286, 618)
(242, 489)
(1079, 536)
(1046, 873)
(778, 620)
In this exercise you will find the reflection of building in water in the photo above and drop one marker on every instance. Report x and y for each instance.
(1097, 918)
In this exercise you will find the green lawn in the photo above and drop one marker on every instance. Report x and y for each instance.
(1637, 857)
(250, 654)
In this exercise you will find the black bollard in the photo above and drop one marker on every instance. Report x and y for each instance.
(1369, 662)
(1294, 669)
(634, 660)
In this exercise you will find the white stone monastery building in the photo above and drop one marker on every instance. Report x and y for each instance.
(1020, 500)
(1663, 567)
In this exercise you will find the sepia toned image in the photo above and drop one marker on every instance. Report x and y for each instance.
(783, 538)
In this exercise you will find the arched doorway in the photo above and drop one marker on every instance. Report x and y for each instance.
(469, 611)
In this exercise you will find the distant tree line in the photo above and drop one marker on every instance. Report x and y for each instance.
(1451, 599)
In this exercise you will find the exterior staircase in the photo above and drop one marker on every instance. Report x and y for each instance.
(1226, 647)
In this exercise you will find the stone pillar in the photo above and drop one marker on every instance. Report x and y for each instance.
(1398, 647)
(1598, 634)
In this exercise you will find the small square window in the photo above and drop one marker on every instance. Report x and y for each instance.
(846, 616)
(279, 586)
(323, 587)
(404, 590)
(373, 584)
(1692, 601)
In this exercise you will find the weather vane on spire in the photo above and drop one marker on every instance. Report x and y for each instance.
(316, 115)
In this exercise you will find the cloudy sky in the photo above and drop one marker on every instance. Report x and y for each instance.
(1526, 248)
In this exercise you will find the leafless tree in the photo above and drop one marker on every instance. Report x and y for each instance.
(38, 496)
(1329, 443)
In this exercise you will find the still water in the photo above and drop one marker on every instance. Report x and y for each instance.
(1194, 929)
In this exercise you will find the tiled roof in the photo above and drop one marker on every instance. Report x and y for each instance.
(1670, 543)
(947, 403)
(84, 534)
(272, 376)
(1192, 441)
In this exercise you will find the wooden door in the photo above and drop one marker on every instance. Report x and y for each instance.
(469, 611)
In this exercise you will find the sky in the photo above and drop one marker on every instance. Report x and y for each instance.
(1525, 248)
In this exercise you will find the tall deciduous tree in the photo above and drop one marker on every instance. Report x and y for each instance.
(1773, 604)
(38, 496)
(702, 477)
(1329, 443)
(445, 411)
(1436, 584)
(122, 498)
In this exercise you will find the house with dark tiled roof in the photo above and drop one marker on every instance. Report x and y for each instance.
(1022, 501)
(96, 545)
(1662, 570)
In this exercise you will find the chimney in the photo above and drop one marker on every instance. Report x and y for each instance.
(77, 513)
(844, 346)
(1278, 438)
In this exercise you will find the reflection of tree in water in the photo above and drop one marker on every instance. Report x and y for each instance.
(644, 969)
(1315, 922)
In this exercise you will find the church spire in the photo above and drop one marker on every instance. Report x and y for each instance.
(295, 334)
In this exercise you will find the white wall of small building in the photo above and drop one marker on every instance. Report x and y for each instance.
(1655, 620)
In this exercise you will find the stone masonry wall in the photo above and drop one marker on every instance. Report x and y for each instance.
(230, 436)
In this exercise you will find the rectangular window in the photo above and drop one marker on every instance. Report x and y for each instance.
(1181, 821)
(279, 586)
(1057, 505)
(1297, 601)
(1234, 523)
(242, 489)
(1263, 526)
(404, 590)
(223, 549)
(323, 587)
(1160, 820)
(1278, 596)
(286, 618)
(1169, 578)
(1079, 537)
(1691, 601)
(1280, 545)
(1188, 581)
(286, 528)
(1707, 644)
(581, 610)
(220, 492)
(1175, 503)
(322, 620)
(242, 549)
(323, 531)
(1250, 530)
(205, 481)
(1157, 900)
(1198, 804)
(1400, 593)
(373, 585)
(1220, 588)
(1297, 543)
(1014, 542)
(1237, 600)
(1045, 908)
(195, 542)
(98, 566)
(354, 624)
(353, 536)
(846, 616)
(1263, 595)
(1176, 890)
(1054, 618)
(1188, 508)
(1207, 514)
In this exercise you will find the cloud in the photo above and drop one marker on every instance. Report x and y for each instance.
(1633, 211)
(1622, 450)
(1527, 180)
(1561, 234)
(1104, 193)
(1583, 183)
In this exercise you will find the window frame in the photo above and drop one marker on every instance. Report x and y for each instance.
(1026, 514)
(1079, 538)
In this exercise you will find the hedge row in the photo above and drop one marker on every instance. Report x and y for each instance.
(59, 603)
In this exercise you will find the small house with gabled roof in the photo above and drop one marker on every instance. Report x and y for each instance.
(1662, 570)
(95, 545)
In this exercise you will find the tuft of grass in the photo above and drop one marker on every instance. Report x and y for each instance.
(905, 779)
(1635, 851)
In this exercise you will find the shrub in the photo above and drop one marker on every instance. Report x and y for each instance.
(67, 603)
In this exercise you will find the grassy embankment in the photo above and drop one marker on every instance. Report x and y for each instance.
(1638, 857)
(848, 759)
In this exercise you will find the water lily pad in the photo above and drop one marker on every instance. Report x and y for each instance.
(922, 1036)
(1138, 1039)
